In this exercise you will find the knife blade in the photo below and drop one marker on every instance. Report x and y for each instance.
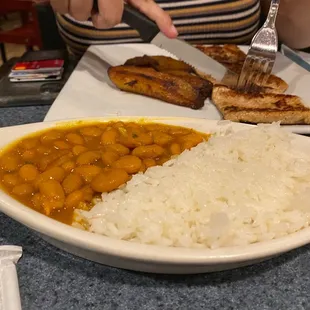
(150, 33)
(293, 56)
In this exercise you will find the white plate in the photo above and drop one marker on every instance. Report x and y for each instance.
(89, 93)
(134, 256)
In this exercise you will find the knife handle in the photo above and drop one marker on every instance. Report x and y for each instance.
(137, 20)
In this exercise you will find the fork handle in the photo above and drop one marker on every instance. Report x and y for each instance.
(272, 14)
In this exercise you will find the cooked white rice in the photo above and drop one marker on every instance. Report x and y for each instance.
(236, 189)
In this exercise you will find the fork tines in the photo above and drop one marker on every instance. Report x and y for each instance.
(255, 73)
(261, 56)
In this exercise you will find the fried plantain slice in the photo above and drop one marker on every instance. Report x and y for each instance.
(202, 85)
(160, 63)
(163, 86)
(174, 67)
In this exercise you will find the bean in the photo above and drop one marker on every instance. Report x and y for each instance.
(68, 166)
(118, 124)
(49, 159)
(79, 149)
(161, 138)
(23, 189)
(28, 172)
(175, 149)
(162, 160)
(131, 164)
(50, 136)
(134, 137)
(133, 125)
(149, 162)
(88, 172)
(49, 206)
(103, 125)
(109, 180)
(148, 151)
(109, 136)
(73, 199)
(44, 162)
(55, 173)
(190, 140)
(61, 145)
(60, 161)
(29, 143)
(52, 188)
(74, 138)
(53, 196)
(87, 158)
(29, 155)
(91, 131)
(187, 145)
(72, 182)
(142, 168)
(10, 162)
(118, 148)
(11, 179)
(43, 150)
(109, 157)
(122, 131)
(88, 193)
(142, 138)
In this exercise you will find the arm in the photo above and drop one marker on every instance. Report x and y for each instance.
(293, 22)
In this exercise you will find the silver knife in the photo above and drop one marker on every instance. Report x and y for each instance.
(150, 33)
(293, 56)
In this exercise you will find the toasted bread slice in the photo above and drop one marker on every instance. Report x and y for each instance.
(151, 83)
(232, 58)
(229, 55)
(260, 108)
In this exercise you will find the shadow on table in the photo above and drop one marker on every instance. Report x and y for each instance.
(15, 233)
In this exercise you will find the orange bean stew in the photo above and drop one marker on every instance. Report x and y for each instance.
(64, 168)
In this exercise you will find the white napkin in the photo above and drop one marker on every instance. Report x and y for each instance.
(9, 289)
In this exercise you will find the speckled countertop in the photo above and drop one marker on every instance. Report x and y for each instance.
(51, 279)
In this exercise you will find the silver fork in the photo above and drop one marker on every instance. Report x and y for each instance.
(261, 56)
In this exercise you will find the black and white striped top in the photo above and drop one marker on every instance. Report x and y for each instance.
(197, 21)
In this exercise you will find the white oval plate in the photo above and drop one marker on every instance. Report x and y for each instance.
(140, 257)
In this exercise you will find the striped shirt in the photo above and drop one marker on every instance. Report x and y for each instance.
(197, 21)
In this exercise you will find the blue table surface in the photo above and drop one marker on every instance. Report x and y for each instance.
(52, 279)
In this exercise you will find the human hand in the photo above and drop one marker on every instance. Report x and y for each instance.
(110, 12)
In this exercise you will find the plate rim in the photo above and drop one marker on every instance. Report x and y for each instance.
(132, 250)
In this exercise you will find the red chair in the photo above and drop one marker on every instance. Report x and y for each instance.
(28, 33)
